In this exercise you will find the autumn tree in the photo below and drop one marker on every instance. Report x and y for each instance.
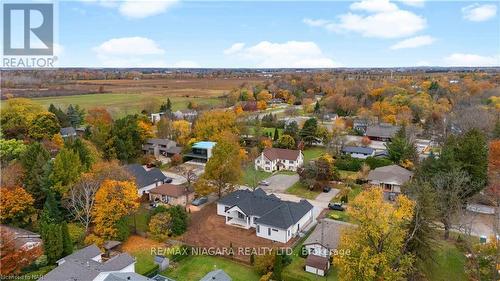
(16, 206)
(164, 128)
(113, 201)
(376, 245)
(14, 258)
(44, 126)
(286, 141)
(66, 170)
(126, 139)
(100, 123)
(223, 169)
(16, 117)
(82, 198)
(181, 131)
(159, 226)
(86, 156)
(10, 150)
(211, 124)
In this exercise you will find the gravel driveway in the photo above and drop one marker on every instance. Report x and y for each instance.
(279, 183)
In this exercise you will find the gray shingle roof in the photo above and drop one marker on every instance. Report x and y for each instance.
(327, 233)
(271, 210)
(358, 149)
(392, 174)
(126, 276)
(68, 131)
(382, 131)
(143, 177)
(216, 275)
(79, 266)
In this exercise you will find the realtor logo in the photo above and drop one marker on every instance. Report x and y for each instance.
(28, 29)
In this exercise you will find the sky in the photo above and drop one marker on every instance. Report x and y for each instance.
(265, 34)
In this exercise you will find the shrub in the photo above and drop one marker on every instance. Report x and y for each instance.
(76, 233)
(179, 220)
(347, 163)
(377, 162)
(123, 230)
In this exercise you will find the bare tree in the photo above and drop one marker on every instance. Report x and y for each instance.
(190, 176)
(81, 199)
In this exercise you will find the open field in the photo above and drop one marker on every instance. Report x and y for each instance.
(125, 103)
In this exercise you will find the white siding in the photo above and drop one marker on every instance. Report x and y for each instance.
(221, 209)
(272, 233)
(315, 270)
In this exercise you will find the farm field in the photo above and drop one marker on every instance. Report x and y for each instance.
(125, 103)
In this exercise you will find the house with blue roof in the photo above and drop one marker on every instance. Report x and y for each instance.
(358, 151)
(201, 151)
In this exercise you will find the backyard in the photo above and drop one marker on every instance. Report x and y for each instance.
(195, 267)
(252, 177)
(302, 191)
(313, 153)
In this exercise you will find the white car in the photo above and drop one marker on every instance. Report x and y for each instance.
(264, 183)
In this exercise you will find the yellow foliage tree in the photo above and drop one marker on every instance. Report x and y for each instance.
(58, 140)
(146, 129)
(375, 247)
(261, 105)
(264, 95)
(113, 201)
(238, 109)
(182, 131)
(16, 205)
(211, 124)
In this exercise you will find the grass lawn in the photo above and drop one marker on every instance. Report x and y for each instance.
(302, 191)
(140, 221)
(140, 248)
(449, 264)
(252, 176)
(313, 153)
(120, 104)
(195, 267)
(338, 215)
(348, 175)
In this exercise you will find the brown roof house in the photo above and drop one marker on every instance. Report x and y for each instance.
(390, 178)
(274, 159)
(171, 194)
(321, 243)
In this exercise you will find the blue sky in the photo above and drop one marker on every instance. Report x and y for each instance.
(369, 33)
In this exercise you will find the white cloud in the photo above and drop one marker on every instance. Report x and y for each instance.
(414, 42)
(293, 54)
(129, 52)
(414, 3)
(460, 59)
(374, 6)
(476, 12)
(234, 48)
(384, 20)
(136, 9)
(145, 8)
(186, 64)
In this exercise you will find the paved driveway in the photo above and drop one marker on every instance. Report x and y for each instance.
(176, 179)
(280, 183)
(326, 197)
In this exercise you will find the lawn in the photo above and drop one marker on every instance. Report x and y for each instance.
(265, 130)
(448, 264)
(139, 220)
(195, 267)
(251, 176)
(140, 248)
(313, 153)
(120, 104)
(338, 215)
(302, 191)
(348, 175)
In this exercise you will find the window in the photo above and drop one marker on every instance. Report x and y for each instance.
(226, 208)
(241, 216)
(275, 230)
(269, 231)
(267, 162)
(258, 161)
(290, 161)
(258, 228)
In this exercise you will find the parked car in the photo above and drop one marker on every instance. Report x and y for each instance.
(264, 183)
(168, 180)
(199, 201)
(150, 165)
(336, 207)
(327, 188)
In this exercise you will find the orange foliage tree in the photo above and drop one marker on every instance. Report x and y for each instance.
(113, 201)
(13, 258)
(16, 205)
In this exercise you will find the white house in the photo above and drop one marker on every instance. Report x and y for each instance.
(321, 243)
(273, 159)
(272, 218)
(88, 264)
(358, 151)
